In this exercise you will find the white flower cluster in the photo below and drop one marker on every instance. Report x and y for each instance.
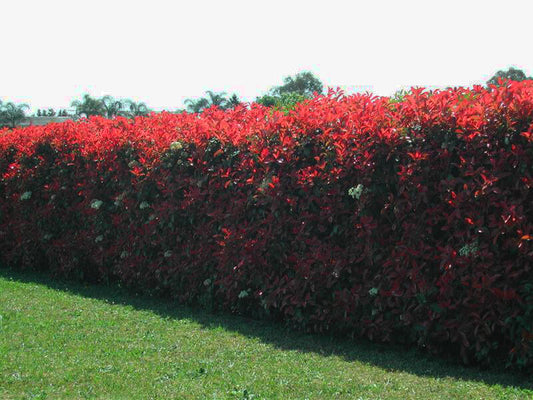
(25, 196)
(356, 192)
(96, 204)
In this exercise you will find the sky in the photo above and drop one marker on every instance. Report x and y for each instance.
(163, 52)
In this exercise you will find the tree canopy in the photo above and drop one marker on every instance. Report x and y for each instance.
(213, 99)
(283, 102)
(303, 83)
(295, 89)
(513, 74)
(133, 109)
(88, 106)
(284, 97)
(109, 107)
(12, 114)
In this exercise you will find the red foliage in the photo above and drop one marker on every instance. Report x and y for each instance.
(407, 221)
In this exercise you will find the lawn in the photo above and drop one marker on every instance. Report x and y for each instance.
(65, 340)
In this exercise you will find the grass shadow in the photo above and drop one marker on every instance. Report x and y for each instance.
(386, 356)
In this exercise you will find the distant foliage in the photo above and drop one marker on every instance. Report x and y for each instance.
(108, 106)
(295, 89)
(213, 99)
(50, 112)
(284, 102)
(512, 74)
(89, 106)
(406, 221)
(12, 114)
(303, 83)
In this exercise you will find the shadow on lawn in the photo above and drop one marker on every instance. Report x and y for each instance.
(386, 356)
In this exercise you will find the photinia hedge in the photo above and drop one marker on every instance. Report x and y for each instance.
(408, 221)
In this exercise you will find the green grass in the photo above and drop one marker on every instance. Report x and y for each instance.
(64, 340)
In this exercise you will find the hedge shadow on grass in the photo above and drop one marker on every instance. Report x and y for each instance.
(386, 356)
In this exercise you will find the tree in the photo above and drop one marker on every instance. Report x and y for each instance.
(51, 112)
(294, 90)
(512, 74)
(217, 99)
(89, 106)
(133, 109)
(304, 83)
(197, 105)
(108, 106)
(39, 112)
(112, 106)
(213, 99)
(12, 114)
(233, 101)
(267, 100)
(284, 102)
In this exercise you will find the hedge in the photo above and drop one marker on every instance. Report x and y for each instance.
(407, 221)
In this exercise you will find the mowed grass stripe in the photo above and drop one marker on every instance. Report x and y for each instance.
(64, 340)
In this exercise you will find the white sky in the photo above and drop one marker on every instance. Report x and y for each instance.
(162, 52)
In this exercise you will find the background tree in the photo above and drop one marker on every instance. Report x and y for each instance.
(51, 112)
(284, 102)
(213, 99)
(216, 99)
(513, 74)
(12, 114)
(112, 106)
(294, 90)
(267, 100)
(303, 83)
(196, 105)
(39, 112)
(88, 106)
(108, 106)
(233, 101)
(133, 109)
